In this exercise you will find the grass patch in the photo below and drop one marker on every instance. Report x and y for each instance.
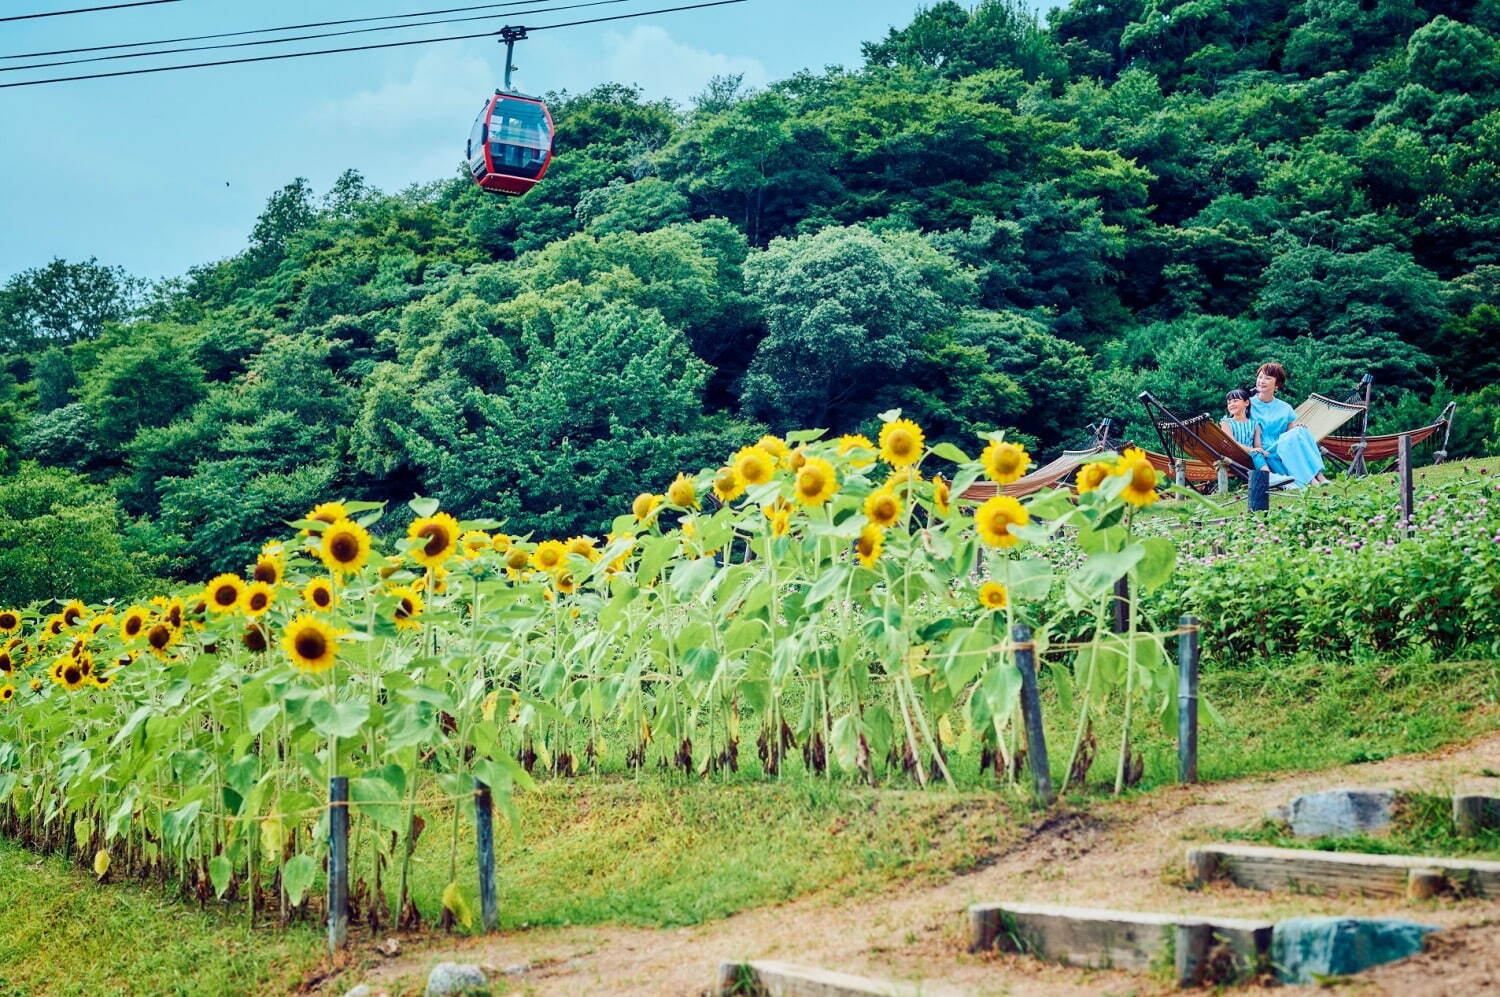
(66, 934)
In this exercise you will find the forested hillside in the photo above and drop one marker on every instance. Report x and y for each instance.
(994, 222)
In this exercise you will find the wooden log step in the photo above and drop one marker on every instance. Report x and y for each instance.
(1194, 949)
(769, 978)
(1305, 871)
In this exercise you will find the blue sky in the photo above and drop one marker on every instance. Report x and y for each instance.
(157, 173)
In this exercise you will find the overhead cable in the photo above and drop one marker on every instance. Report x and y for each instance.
(86, 10)
(303, 38)
(360, 48)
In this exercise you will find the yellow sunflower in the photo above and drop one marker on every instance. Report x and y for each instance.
(901, 443)
(10, 621)
(327, 512)
(869, 545)
(345, 546)
(1004, 462)
(754, 466)
(7, 692)
(682, 492)
(268, 569)
(860, 446)
(549, 555)
(225, 592)
(257, 599)
(516, 559)
(310, 643)
(501, 542)
(70, 674)
(159, 638)
(728, 485)
(816, 482)
(7, 664)
(1141, 488)
(942, 494)
(992, 595)
(133, 624)
(778, 516)
(882, 508)
(53, 627)
(255, 639)
(319, 594)
(1092, 474)
(775, 446)
(408, 608)
(475, 541)
(584, 546)
(436, 538)
(644, 506)
(997, 516)
(73, 612)
(36, 685)
(565, 582)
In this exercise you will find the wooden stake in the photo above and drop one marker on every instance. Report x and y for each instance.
(338, 863)
(1403, 463)
(1187, 700)
(1031, 710)
(484, 832)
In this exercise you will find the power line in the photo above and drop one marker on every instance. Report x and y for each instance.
(360, 48)
(87, 10)
(265, 31)
(303, 38)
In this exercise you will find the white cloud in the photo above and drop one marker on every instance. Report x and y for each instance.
(662, 67)
(438, 86)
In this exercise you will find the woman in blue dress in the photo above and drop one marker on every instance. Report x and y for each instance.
(1289, 446)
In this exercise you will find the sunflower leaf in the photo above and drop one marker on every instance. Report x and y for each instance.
(423, 507)
(948, 451)
(296, 876)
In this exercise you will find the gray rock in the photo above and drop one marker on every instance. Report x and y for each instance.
(1340, 813)
(1474, 813)
(453, 978)
(1305, 948)
(363, 990)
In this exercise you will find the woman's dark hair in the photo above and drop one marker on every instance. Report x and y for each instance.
(1276, 371)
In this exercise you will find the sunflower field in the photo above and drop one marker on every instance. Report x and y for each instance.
(832, 603)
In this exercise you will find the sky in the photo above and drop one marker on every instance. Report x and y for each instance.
(157, 173)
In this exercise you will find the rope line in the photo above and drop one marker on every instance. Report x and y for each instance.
(86, 10)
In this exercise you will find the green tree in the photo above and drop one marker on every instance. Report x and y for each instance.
(145, 380)
(64, 302)
(55, 380)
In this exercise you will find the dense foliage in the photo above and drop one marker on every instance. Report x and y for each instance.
(992, 223)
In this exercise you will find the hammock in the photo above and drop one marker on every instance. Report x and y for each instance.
(1049, 475)
(1357, 451)
(1322, 415)
(1199, 440)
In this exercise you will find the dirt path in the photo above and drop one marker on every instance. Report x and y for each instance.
(1126, 855)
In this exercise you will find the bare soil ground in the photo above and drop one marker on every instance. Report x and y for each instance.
(1124, 854)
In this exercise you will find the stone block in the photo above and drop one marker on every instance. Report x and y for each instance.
(1306, 948)
(1341, 813)
(454, 978)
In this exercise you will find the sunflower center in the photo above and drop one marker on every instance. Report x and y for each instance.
(133, 626)
(902, 444)
(258, 601)
(265, 573)
(405, 609)
(810, 481)
(1144, 477)
(344, 548)
(310, 645)
(72, 675)
(159, 637)
(8, 621)
(322, 597)
(225, 595)
(255, 640)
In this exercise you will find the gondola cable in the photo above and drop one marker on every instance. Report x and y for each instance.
(300, 38)
(266, 31)
(357, 48)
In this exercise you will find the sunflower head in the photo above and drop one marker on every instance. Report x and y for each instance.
(311, 644)
(997, 516)
(901, 443)
(73, 612)
(586, 547)
(728, 485)
(327, 512)
(858, 447)
(434, 539)
(565, 582)
(7, 666)
(775, 446)
(816, 482)
(257, 599)
(344, 546)
(408, 608)
(254, 639)
(1005, 462)
(319, 594)
(549, 555)
(10, 621)
(70, 675)
(475, 541)
(754, 465)
(779, 517)
(992, 595)
(53, 626)
(882, 508)
(942, 494)
(644, 506)
(7, 692)
(682, 492)
(268, 569)
(36, 685)
(1140, 488)
(224, 593)
(870, 543)
(516, 559)
(1092, 475)
(159, 638)
(133, 624)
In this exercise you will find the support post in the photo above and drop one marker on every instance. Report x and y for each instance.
(338, 863)
(1122, 604)
(1031, 710)
(1260, 490)
(1222, 471)
(484, 833)
(1403, 468)
(1179, 473)
(1187, 699)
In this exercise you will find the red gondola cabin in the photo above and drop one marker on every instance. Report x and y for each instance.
(510, 147)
